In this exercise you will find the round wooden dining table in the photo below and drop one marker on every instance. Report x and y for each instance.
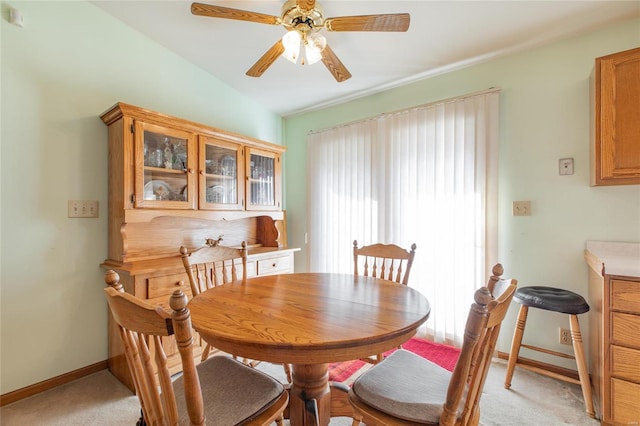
(309, 320)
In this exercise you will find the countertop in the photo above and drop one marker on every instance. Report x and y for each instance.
(613, 258)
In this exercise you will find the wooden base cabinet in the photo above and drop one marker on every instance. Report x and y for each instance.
(173, 183)
(614, 338)
(155, 281)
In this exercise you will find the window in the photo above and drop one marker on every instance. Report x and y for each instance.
(426, 175)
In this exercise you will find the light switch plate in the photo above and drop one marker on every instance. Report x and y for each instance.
(521, 208)
(83, 208)
(565, 166)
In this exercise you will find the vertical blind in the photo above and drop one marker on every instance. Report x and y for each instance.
(426, 175)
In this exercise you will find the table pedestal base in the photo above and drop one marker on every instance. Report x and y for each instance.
(311, 394)
(310, 382)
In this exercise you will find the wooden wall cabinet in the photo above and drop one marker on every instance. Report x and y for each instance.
(165, 162)
(615, 147)
(614, 342)
(174, 183)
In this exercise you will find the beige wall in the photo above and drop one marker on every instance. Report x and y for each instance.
(68, 64)
(544, 116)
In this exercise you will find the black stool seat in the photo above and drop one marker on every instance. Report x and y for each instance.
(551, 299)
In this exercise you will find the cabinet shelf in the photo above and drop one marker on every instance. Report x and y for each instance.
(221, 177)
(161, 170)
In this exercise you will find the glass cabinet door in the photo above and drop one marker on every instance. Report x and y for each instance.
(263, 180)
(164, 160)
(221, 168)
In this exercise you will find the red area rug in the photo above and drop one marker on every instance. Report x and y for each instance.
(443, 355)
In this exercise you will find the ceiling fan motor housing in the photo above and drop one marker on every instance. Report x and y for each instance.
(305, 21)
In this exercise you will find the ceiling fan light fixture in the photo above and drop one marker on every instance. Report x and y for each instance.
(291, 42)
(303, 48)
(313, 47)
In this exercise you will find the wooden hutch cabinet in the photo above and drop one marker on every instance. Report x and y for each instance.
(173, 183)
(615, 151)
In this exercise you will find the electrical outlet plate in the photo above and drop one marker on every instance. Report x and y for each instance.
(565, 336)
(83, 208)
(521, 208)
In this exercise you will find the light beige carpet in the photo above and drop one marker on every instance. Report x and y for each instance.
(100, 399)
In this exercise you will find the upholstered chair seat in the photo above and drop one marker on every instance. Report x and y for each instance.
(244, 392)
(219, 391)
(405, 389)
(406, 386)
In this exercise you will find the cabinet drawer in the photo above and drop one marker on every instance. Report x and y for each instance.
(624, 329)
(625, 402)
(164, 286)
(252, 269)
(625, 363)
(274, 265)
(625, 296)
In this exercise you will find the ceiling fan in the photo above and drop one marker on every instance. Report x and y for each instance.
(303, 19)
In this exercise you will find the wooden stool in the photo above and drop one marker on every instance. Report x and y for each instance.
(556, 300)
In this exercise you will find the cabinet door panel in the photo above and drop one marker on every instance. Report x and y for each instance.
(625, 407)
(164, 162)
(617, 128)
(263, 179)
(220, 175)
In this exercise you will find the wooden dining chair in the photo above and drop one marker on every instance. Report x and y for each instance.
(214, 265)
(386, 261)
(220, 390)
(406, 389)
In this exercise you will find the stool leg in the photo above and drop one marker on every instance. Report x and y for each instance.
(515, 344)
(576, 338)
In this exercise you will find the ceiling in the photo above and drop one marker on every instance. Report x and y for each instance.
(443, 35)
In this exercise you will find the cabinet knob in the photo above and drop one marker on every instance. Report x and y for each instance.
(274, 265)
(180, 283)
(189, 171)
